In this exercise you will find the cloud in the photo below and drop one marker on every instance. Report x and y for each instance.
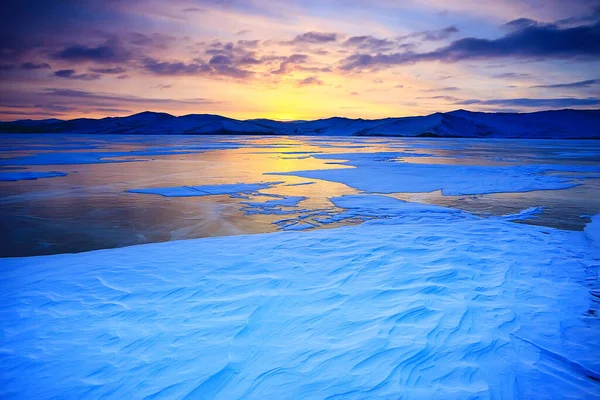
(219, 65)
(248, 43)
(109, 52)
(194, 10)
(79, 95)
(33, 66)
(511, 75)
(578, 84)
(369, 43)
(290, 63)
(314, 37)
(444, 89)
(155, 40)
(531, 43)
(116, 70)
(520, 23)
(445, 98)
(311, 80)
(527, 102)
(243, 32)
(72, 74)
(220, 60)
(432, 35)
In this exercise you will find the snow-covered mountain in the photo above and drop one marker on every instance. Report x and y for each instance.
(559, 124)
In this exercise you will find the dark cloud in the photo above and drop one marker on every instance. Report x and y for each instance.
(220, 60)
(115, 70)
(311, 80)
(28, 66)
(110, 52)
(532, 43)
(219, 66)
(175, 68)
(72, 74)
(32, 66)
(527, 102)
(243, 32)
(315, 37)
(579, 84)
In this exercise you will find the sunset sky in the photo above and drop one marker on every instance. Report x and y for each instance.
(298, 59)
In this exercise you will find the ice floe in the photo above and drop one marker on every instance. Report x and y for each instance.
(205, 190)
(28, 175)
(382, 173)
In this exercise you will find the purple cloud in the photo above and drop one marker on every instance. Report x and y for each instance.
(432, 35)
(533, 42)
(315, 37)
(578, 84)
(72, 74)
(33, 66)
(311, 80)
(527, 102)
(111, 51)
(116, 70)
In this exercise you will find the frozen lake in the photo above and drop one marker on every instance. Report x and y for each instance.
(457, 268)
(85, 201)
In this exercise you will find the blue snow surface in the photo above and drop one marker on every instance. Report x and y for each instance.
(205, 190)
(13, 176)
(428, 303)
(384, 173)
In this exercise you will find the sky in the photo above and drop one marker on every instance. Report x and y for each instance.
(296, 59)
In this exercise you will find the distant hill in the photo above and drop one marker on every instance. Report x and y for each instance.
(559, 124)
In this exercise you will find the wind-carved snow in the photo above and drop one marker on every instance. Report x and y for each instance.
(433, 304)
(28, 175)
(592, 230)
(206, 190)
(382, 173)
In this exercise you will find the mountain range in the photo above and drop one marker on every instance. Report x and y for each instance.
(555, 124)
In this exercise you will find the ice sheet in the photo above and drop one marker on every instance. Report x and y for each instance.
(434, 304)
